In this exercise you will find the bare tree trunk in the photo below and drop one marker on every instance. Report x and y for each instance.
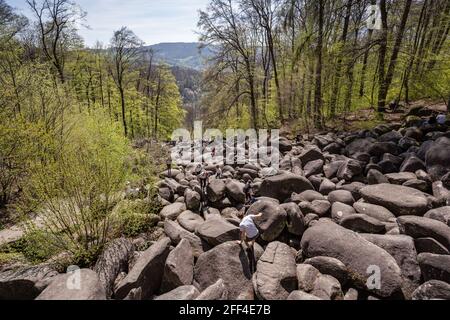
(396, 50)
(382, 59)
(124, 117)
(318, 80)
(337, 81)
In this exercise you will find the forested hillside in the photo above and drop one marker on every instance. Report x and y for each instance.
(313, 60)
(186, 55)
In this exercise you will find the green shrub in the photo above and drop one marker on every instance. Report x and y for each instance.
(10, 258)
(74, 191)
(36, 246)
(132, 218)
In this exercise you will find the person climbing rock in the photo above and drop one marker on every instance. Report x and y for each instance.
(248, 191)
(198, 170)
(203, 179)
(249, 230)
(169, 166)
(249, 235)
(218, 172)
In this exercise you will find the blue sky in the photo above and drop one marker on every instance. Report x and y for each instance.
(153, 21)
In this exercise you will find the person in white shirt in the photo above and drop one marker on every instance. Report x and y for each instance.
(249, 231)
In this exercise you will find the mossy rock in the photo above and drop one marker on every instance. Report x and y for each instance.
(413, 121)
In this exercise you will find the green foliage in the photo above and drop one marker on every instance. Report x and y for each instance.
(11, 258)
(36, 246)
(74, 191)
(132, 218)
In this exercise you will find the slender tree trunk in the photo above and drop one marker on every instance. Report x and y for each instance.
(396, 50)
(318, 80)
(275, 73)
(364, 67)
(441, 36)
(158, 95)
(337, 80)
(253, 105)
(124, 117)
(382, 59)
(409, 67)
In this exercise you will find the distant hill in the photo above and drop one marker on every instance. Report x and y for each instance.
(180, 54)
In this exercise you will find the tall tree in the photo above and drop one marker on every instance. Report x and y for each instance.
(384, 88)
(124, 52)
(337, 81)
(318, 102)
(56, 24)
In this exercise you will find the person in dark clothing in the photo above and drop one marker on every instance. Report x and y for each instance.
(169, 166)
(433, 119)
(203, 179)
(248, 191)
(218, 172)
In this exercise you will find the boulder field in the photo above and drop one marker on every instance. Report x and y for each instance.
(347, 216)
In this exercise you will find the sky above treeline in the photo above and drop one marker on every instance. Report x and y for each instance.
(153, 21)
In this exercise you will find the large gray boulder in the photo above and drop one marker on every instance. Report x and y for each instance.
(311, 154)
(342, 196)
(374, 211)
(326, 238)
(437, 157)
(173, 210)
(276, 275)
(403, 250)
(181, 293)
(399, 200)
(302, 296)
(282, 186)
(435, 267)
(148, 271)
(307, 276)
(235, 191)
(229, 262)
(295, 220)
(432, 290)
(273, 221)
(327, 288)
(217, 230)
(81, 284)
(217, 291)
(441, 214)
(176, 233)
(216, 190)
(113, 260)
(430, 245)
(363, 224)
(179, 267)
(192, 199)
(421, 227)
(330, 266)
(190, 220)
(25, 283)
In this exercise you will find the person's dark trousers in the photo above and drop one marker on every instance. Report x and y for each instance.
(203, 186)
(251, 259)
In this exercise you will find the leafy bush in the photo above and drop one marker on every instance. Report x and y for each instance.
(36, 246)
(75, 190)
(132, 218)
(10, 258)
